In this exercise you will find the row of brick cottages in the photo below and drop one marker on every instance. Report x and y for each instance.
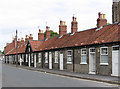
(93, 51)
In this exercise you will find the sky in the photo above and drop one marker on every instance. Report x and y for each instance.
(27, 16)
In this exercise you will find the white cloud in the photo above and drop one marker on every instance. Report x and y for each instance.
(27, 15)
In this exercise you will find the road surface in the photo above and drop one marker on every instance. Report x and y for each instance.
(17, 77)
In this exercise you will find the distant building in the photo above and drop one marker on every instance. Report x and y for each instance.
(1, 55)
(116, 11)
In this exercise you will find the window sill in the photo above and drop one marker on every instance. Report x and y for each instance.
(69, 62)
(56, 62)
(104, 64)
(83, 63)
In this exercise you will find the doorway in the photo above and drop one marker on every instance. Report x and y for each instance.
(50, 60)
(115, 61)
(61, 60)
(92, 61)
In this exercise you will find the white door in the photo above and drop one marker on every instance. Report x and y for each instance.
(92, 61)
(115, 61)
(61, 60)
(21, 61)
(50, 60)
(34, 59)
(29, 60)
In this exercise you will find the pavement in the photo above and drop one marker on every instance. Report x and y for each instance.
(101, 78)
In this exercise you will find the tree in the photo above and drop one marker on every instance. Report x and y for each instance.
(3, 52)
(108, 23)
(52, 34)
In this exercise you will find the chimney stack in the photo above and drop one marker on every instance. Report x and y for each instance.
(74, 25)
(26, 38)
(41, 35)
(47, 32)
(31, 37)
(22, 40)
(14, 41)
(62, 28)
(101, 21)
(18, 40)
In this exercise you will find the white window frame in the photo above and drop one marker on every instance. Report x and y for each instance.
(101, 63)
(83, 55)
(90, 50)
(23, 57)
(29, 49)
(116, 46)
(26, 57)
(32, 56)
(69, 62)
(46, 57)
(39, 57)
(56, 56)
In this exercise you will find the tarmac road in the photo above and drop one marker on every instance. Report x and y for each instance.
(17, 77)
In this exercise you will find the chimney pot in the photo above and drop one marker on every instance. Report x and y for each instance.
(39, 30)
(31, 37)
(42, 31)
(101, 21)
(41, 35)
(74, 25)
(62, 28)
(47, 32)
(18, 40)
(104, 16)
(26, 38)
(73, 18)
(47, 28)
(22, 39)
(60, 22)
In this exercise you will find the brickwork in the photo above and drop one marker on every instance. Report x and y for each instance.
(116, 11)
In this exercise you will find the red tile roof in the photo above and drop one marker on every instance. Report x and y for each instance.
(21, 49)
(9, 48)
(105, 34)
(35, 44)
(67, 40)
(108, 33)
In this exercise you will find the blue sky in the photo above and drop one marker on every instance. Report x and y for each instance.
(27, 15)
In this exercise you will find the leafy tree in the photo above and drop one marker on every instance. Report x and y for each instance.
(52, 34)
(3, 52)
(108, 23)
